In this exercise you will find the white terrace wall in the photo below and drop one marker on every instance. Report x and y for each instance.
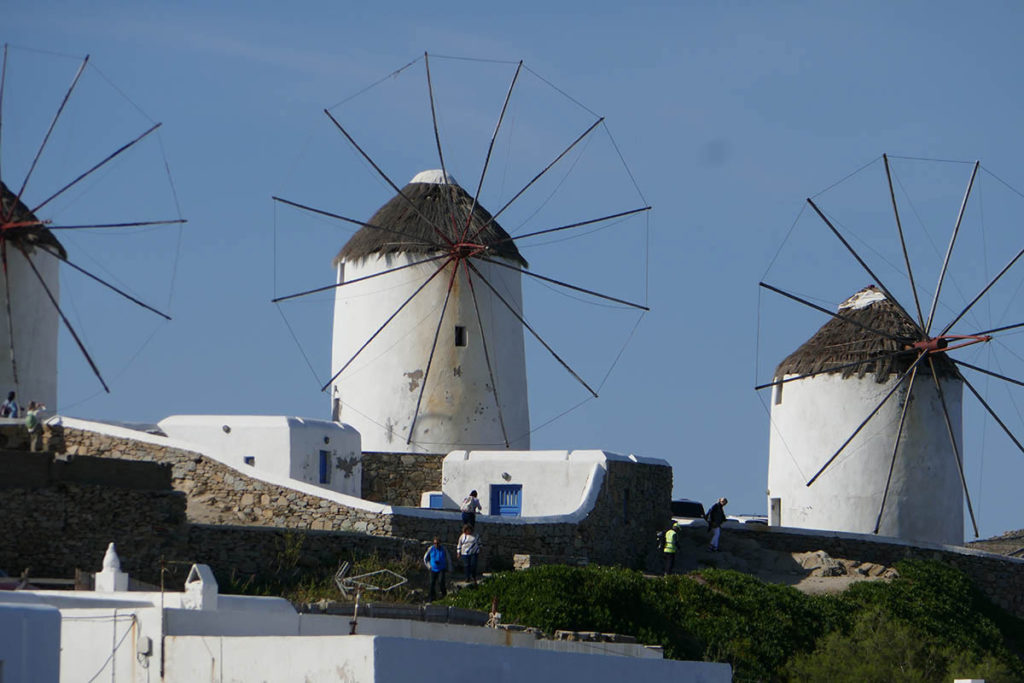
(290, 447)
(29, 643)
(554, 483)
(628, 500)
(385, 659)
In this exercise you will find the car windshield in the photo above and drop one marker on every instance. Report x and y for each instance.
(687, 508)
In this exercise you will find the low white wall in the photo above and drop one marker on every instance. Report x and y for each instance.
(555, 483)
(383, 659)
(278, 445)
(29, 643)
(331, 625)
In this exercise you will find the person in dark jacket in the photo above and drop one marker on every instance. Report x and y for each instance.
(715, 517)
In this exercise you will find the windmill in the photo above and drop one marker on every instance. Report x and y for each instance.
(867, 415)
(41, 183)
(428, 349)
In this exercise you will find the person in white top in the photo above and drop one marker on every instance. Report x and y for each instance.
(469, 551)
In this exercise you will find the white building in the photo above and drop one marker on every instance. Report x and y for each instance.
(33, 314)
(475, 393)
(548, 484)
(200, 635)
(319, 452)
(812, 418)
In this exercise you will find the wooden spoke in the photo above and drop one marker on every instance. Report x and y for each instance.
(386, 323)
(358, 279)
(433, 348)
(567, 227)
(109, 286)
(861, 426)
(991, 412)
(530, 328)
(949, 249)
(863, 264)
(490, 149)
(952, 441)
(537, 177)
(388, 180)
(903, 242)
(565, 284)
(896, 447)
(364, 224)
(837, 316)
(487, 355)
(49, 131)
(834, 368)
(64, 318)
(7, 304)
(981, 293)
(110, 157)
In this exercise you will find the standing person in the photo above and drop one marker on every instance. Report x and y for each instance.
(438, 563)
(469, 551)
(715, 517)
(470, 506)
(9, 408)
(670, 549)
(34, 426)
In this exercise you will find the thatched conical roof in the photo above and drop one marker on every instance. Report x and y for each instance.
(28, 235)
(408, 229)
(839, 342)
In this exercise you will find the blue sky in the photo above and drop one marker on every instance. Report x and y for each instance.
(728, 114)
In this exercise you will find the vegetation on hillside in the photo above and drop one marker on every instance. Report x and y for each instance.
(930, 624)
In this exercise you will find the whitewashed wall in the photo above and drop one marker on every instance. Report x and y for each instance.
(280, 446)
(554, 483)
(380, 389)
(386, 659)
(815, 416)
(35, 330)
(118, 637)
(29, 643)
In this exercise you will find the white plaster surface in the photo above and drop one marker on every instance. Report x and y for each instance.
(380, 390)
(36, 326)
(384, 659)
(813, 419)
(570, 513)
(283, 446)
(119, 636)
(29, 643)
(557, 485)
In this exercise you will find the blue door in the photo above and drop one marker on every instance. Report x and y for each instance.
(325, 467)
(507, 500)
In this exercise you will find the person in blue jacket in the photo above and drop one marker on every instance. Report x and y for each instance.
(438, 562)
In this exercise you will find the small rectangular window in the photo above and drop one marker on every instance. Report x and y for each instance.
(325, 467)
(460, 335)
(250, 460)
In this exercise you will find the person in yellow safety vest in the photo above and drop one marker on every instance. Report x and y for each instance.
(670, 549)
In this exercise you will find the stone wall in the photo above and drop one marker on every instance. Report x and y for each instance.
(53, 525)
(400, 478)
(1000, 578)
(631, 506)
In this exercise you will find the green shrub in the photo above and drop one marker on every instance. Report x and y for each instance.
(926, 625)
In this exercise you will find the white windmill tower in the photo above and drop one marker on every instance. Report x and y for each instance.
(865, 489)
(428, 351)
(867, 415)
(449, 371)
(29, 356)
(39, 184)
